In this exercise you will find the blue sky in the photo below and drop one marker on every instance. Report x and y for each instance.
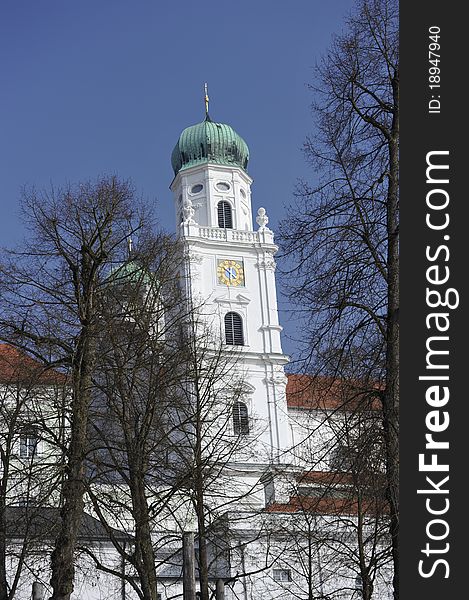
(92, 87)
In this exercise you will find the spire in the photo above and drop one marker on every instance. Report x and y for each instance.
(206, 100)
(130, 244)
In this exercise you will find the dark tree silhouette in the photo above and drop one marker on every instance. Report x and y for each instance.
(342, 233)
(51, 289)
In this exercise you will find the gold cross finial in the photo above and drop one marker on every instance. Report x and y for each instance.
(206, 99)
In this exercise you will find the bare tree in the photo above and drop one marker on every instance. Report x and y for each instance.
(131, 429)
(342, 235)
(152, 390)
(211, 386)
(51, 290)
(338, 540)
(161, 432)
(353, 492)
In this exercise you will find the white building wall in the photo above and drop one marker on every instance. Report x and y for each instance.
(313, 438)
(89, 583)
(260, 360)
(205, 200)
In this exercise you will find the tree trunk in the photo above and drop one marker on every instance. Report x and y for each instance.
(199, 484)
(143, 544)
(188, 566)
(220, 589)
(3, 576)
(391, 396)
(202, 537)
(62, 560)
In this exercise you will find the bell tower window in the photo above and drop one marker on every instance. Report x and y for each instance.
(240, 419)
(234, 329)
(225, 215)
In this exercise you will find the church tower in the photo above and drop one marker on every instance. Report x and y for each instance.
(231, 269)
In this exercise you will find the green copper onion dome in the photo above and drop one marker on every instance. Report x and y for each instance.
(130, 273)
(209, 142)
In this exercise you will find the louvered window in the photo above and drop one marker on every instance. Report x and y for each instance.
(234, 329)
(225, 217)
(240, 419)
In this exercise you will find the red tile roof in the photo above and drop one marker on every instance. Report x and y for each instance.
(303, 391)
(328, 393)
(17, 367)
(331, 493)
(327, 505)
(325, 477)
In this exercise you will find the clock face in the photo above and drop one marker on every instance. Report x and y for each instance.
(230, 272)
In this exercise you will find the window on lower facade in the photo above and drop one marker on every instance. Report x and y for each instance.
(234, 335)
(29, 444)
(282, 575)
(27, 500)
(240, 418)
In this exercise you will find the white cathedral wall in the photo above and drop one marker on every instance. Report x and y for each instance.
(205, 201)
(266, 543)
(260, 361)
(313, 437)
(334, 566)
(32, 478)
(89, 583)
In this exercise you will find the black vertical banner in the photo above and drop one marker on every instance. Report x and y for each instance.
(434, 333)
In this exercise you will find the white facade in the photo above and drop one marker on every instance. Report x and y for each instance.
(197, 192)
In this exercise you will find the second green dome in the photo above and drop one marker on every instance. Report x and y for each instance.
(209, 142)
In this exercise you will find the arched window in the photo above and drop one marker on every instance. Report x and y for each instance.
(234, 329)
(240, 419)
(225, 217)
